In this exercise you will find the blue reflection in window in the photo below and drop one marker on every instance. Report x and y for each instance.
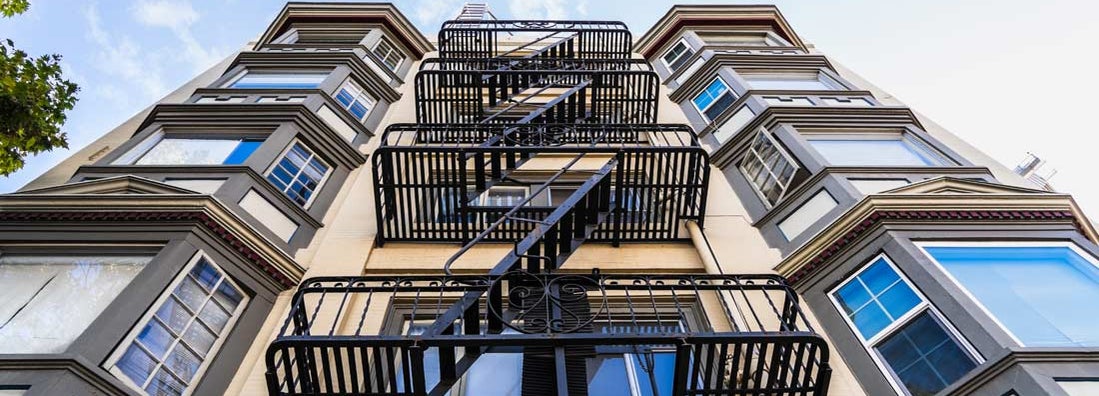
(875, 298)
(1045, 295)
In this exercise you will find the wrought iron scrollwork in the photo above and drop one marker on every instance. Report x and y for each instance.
(541, 304)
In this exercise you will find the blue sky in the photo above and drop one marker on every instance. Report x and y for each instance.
(1008, 76)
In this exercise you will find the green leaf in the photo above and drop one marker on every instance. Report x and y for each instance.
(34, 97)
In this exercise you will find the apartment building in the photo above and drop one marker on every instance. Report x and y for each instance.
(520, 207)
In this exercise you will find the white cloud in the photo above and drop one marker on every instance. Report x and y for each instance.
(432, 13)
(538, 9)
(178, 16)
(117, 55)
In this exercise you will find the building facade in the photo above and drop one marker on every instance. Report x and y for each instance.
(518, 207)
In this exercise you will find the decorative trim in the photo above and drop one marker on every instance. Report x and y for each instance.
(879, 217)
(180, 216)
(681, 16)
(71, 365)
(385, 13)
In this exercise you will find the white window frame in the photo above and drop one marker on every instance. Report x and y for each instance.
(923, 245)
(393, 49)
(770, 38)
(358, 94)
(483, 197)
(924, 305)
(785, 155)
(667, 64)
(320, 183)
(120, 349)
(728, 91)
(289, 37)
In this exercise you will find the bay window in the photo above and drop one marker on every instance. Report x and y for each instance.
(279, 80)
(713, 100)
(904, 334)
(190, 149)
(768, 168)
(175, 342)
(799, 81)
(873, 149)
(1042, 294)
(47, 301)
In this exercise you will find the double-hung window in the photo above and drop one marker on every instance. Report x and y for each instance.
(389, 54)
(355, 100)
(48, 300)
(1044, 295)
(505, 196)
(279, 80)
(713, 100)
(190, 149)
(873, 149)
(768, 168)
(299, 173)
(178, 338)
(918, 350)
(678, 55)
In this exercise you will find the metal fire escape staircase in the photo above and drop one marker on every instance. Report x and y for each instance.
(502, 94)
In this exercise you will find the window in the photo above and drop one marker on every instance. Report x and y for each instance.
(505, 196)
(678, 55)
(388, 54)
(768, 168)
(815, 81)
(299, 173)
(169, 149)
(46, 301)
(1043, 295)
(742, 39)
(279, 80)
(498, 374)
(713, 100)
(873, 149)
(355, 100)
(177, 340)
(904, 334)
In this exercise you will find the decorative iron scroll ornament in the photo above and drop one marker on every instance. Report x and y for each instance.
(540, 135)
(547, 304)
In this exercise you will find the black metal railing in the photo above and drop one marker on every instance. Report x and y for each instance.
(507, 96)
(730, 334)
(428, 179)
(525, 38)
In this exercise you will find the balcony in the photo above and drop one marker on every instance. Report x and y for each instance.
(715, 334)
(429, 177)
(518, 38)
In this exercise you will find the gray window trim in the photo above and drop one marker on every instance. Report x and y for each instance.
(925, 305)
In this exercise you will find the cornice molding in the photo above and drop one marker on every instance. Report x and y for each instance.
(385, 13)
(1017, 356)
(709, 69)
(74, 366)
(1008, 207)
(202, 210)
(681, 16)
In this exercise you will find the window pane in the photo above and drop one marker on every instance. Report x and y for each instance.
(244, 149)
(298, 174)
(875, 298)
(47, 301)
(177, 151)
(924, 357)
(720, 105)
(607, 376)
(280, 80)
(655, 373)
(871, 152)
(495, 374)
(1045, 295)
(178, 355)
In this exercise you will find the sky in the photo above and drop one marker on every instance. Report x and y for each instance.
(1008, 76)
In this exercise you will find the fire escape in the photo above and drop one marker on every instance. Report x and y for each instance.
(541, 136)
